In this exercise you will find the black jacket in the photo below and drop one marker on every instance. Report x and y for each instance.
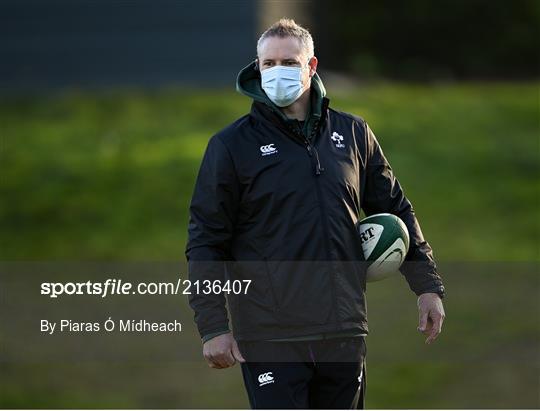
(283, 211)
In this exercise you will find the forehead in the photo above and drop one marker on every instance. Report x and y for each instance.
(280, 48)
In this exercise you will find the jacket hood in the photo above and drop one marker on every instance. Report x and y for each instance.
(248, 82)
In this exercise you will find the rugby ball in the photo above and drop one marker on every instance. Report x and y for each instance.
(385, 243)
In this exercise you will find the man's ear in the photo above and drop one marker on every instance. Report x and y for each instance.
(312, 65)
(257, 64)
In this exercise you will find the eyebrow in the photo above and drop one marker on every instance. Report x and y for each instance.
(287, 59)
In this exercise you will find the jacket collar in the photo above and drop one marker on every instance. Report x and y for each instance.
(263, 112)
(248, 82)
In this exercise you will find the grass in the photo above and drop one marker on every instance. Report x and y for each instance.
(109, 176)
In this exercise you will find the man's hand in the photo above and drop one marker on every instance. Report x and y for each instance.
(431, 315)
(222, 351)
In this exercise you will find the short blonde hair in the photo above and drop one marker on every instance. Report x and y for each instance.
(288, 28)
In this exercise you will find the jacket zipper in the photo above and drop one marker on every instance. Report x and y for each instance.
(318, 169)
(310, 148)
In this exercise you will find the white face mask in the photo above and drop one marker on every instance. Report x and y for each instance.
(283, 85)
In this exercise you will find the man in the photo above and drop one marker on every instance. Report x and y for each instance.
(277, 203)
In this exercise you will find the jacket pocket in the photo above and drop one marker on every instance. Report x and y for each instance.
(271, 285)
(257, 306)
(303, 292)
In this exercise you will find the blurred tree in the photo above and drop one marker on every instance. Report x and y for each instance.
(422, 39)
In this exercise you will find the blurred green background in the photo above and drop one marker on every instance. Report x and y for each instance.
(106, 173)
(109, 175)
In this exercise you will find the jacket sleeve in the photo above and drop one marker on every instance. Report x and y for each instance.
(382, 193)
(211, 222)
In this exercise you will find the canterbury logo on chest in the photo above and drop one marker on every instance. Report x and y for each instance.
(268, 149)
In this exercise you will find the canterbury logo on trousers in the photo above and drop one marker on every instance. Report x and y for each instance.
(265, 378)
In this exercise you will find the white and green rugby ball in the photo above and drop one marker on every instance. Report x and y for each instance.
(385, 243)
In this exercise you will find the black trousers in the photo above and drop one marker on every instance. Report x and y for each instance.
(328, 374)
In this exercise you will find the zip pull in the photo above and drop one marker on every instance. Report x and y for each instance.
(318, 169)
(310, 149)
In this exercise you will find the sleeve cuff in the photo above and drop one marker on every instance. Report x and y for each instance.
(437, 289)
(207, 337)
